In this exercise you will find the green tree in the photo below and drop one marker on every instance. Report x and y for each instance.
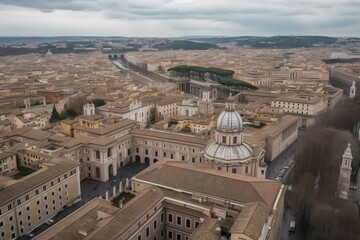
(71, 112)
(99, 102)
(54, 115)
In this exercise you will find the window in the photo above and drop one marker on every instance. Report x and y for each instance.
(1, 224)
(172, 156)
(139, 237)
(19, 213)
(192, 160)
(196, 224)
(147, 232)
(183, 158)
(162, 217)
(162, 233)
(246, 169)
(97, 154)
(170, 218)
(154, 224)
(170, 235)
(9, 207)
(52, 183)
(11, 218)
(156, 153)
(224, 139)
(44, 188)
(234, 140)
(234, 170)
(164, 154)
(178, 236)
(18, 201)
(27, 197)
(36, 191)
(12, 228)
(178, 220)
(28, 208)
(187, 223)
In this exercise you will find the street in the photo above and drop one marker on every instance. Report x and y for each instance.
(273, 170)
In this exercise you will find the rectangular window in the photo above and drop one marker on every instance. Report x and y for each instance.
(234, 140)
(154, 224)
(164, 154)
(187, 223)
(162, 217)
(139, 237)
(36, 192)
(44, 188)
(170, 235)
(170, 218)
(147, 232)
(178, 220)
(172, 156)
(224, 139)
(178, 236)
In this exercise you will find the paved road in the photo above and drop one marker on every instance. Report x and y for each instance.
(92, 188)
(272, 171)
(280, 161)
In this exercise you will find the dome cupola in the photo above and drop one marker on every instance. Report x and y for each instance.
(229, 121)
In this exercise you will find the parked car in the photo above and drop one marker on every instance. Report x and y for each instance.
(292, 226)
(49, 222)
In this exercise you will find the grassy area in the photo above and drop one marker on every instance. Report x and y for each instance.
(126, 196)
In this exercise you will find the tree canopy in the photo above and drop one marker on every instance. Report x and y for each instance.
(218, 71)
(99, 102)
(54, 115)
(231, 82)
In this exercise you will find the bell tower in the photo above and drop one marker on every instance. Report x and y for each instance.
(344, 176)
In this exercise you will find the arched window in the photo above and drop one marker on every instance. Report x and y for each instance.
(109, 152)
(97, 154)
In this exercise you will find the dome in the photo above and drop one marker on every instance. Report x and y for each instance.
(229, 121)
(227, 152)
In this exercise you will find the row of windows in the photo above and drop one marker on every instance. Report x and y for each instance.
(179, 221)
(44, 187)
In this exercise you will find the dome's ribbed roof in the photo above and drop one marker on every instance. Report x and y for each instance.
(229, 121)
(228, 152)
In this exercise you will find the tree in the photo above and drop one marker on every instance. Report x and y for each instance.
(54, 115)
(71, 113)
(99, 102)
(231, 82)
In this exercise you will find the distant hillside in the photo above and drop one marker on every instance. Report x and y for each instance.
(273, 42)
(287, 41)
(185, 45)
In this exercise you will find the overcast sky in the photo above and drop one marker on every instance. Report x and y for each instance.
(173, 18)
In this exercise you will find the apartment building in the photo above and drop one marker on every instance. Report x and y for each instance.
(7, 162)
(33, 200)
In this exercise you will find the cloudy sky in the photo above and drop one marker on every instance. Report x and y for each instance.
(173, 18)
